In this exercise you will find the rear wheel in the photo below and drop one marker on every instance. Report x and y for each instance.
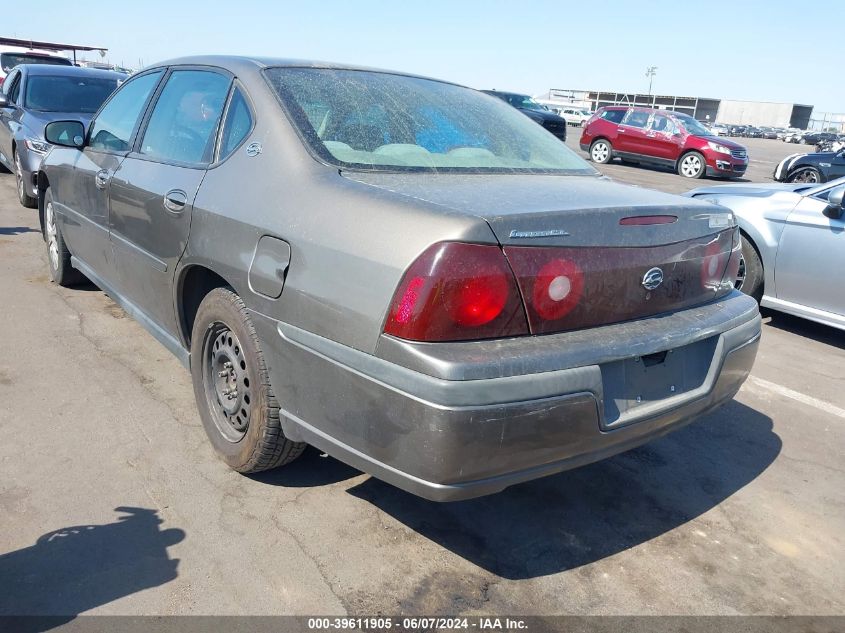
(750, 276)
(601, 151)
(805, 174)
(232, 387)
(25, 199)
(692, 165)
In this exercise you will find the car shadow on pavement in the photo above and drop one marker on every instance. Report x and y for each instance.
(77, 568)
(17, 230)
(804, 327)
(581, 516)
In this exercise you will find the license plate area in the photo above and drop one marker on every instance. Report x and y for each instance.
(633, 384)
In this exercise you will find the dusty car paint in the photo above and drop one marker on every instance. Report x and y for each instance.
(444, 420)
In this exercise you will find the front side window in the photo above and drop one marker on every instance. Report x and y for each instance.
(113, 127)
(692, 126)
(662, 123)
(184, 121)
(237, 125)
(67, 94)
(12, 86)
(381, 121)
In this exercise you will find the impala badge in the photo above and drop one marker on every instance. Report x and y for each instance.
(652, 279)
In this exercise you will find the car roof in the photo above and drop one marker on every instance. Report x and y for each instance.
(506, 93)
(59, 70)
(237, 64)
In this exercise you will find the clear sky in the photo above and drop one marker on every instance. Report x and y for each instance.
(767, 50)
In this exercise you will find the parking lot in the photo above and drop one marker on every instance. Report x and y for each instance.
(112, 501)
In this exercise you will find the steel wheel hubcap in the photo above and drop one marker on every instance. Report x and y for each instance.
(227, 382)
(52, 236)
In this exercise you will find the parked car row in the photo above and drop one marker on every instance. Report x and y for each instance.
(661, 137)
(418, 280)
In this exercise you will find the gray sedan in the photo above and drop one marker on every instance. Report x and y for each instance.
(405, 273)
(793, 244)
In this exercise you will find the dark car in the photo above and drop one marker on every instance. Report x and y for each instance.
(753, 132)
(661, 137)
(811, 167)
(404, 272)
(535, 111)
(768, 132)
(32, 96)
(814, 138)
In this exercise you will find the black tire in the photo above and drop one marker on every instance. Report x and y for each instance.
(692, 165)
(750, 279)
(23, 197)
(58, 255)
(805, 174)
(601, 151)
(239, 410)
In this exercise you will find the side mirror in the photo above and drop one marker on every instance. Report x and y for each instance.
(65, 133)
(835, 198)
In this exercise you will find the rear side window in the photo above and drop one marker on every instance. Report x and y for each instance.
(10, 60)
(113, 127)
(614, 116)
(237, 124)
(184, 121)
(636, 118)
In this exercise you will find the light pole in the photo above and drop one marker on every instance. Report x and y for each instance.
(650, 72)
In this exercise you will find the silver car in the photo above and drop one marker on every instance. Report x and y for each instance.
(793, 245)
(405, 273)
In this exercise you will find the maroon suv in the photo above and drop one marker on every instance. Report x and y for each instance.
(661, 137)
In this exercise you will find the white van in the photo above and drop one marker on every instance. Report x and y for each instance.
(11, 56)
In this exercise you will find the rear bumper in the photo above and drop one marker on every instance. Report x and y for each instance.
(464, 420)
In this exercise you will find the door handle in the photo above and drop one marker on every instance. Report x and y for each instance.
(101, 179)
(620, 130)
(175, 200)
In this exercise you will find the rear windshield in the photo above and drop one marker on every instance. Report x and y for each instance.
(380, 121)
(10, 60)
(67, 94)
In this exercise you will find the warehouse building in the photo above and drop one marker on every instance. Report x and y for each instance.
(702, 108)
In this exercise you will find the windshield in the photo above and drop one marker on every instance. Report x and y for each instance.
(10, 60)
(692, 126)
(67, 94)
(372, 120)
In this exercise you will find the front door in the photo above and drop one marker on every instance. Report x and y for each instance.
(811, 257)
(153, 190)
(82, 199)
(663, 138)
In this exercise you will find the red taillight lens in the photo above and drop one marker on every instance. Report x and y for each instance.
(455, 292)
(734, 261)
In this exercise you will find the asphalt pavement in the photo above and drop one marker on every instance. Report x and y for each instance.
(112, 501)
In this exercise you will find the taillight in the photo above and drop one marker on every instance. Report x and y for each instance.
(715, 263)
(456, 292)
(733, 263)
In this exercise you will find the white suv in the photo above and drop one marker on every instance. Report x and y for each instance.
(576, 116)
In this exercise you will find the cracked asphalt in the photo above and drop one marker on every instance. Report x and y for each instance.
(112, 502)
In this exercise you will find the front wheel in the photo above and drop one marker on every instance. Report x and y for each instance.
(232, 387)
(25, 199)
(58, 256)
(805, 174)
(601, 152)
(692, 165)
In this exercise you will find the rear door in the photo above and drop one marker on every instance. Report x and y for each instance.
(663, 139)
(631, 134)
(811, 257)
(9, 116)
(153, 190)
